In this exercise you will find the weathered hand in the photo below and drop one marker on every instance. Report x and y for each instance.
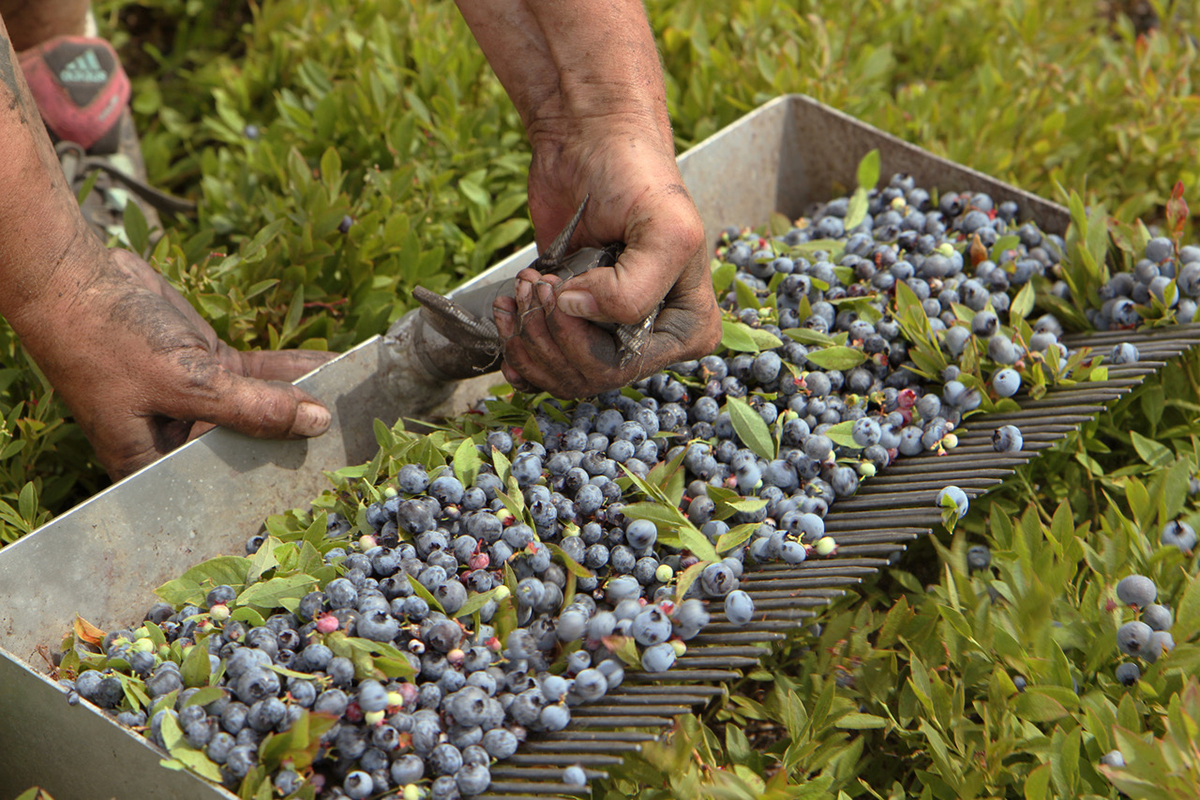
(143, 373)
(638, 197)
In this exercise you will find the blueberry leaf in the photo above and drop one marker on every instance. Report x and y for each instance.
(297, 744)
(868, 171)
(841, 434)
(687, 578)
(476, 602)
(737, 337)
(735, 537)
(572, 566)
(697, 543)
(750, 427)
(808, 336)
(856, 212)
(425, 594)
(1022, 304)
(278, 592)
(723, 274)
(838, 357)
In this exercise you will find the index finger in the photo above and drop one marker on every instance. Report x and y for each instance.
(664, 238)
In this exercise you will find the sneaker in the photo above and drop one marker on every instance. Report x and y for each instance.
(83, 95)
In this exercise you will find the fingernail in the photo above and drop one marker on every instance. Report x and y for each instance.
(522, 292)
(504, 322)
(578, 304)
(546, 294)
(311, 419)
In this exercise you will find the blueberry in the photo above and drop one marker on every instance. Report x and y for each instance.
(739, 607)
(1136, 590)
(1133, 638)
(500, 743)
(407, 769)
(473, 779)
(1179, 534)
(574, 776)
(978, 557)
(1113, 758)
(1159, 644)
(1124, 353)
(358, 785)
(1159, 618)
(641, 534)
(658, 657)
(957, 497)
(1007, 439)
(1128, 673)
(1006, 382)
(651, 626)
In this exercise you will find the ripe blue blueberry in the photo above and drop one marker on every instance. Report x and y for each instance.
(955, 496)
(659, 657)
(1136, 590)
(1133, 638)
(1007, 439)
(739, 607)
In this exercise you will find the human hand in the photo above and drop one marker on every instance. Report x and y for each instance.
(143, 373)
(637, 197)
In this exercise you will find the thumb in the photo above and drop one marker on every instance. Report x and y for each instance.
(258, 408)
(659, 248)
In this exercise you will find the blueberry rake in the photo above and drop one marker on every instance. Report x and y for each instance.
(872, 528)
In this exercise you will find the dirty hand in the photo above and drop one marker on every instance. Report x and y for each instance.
(586, 79)
(637, 197)
(143, 373)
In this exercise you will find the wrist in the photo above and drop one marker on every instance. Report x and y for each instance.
(48, 267)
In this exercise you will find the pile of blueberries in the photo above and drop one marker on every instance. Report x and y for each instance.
(595, 592)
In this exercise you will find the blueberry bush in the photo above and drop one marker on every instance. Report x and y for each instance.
(345, 152)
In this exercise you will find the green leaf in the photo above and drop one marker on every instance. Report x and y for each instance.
(298, 744)
(856, 211)
(467, 462)
(723, 274)
(1153, 453)
(735, 537)
(750, 427)
(857, 721)
(807, 336)
(279, 592)
(424, 594)
(1187, 612)
(205, 695)
(685, 580)
(136, 229)
(572, 566)
(1022, 304)
(868, 170)
(841, 435)
(839, 358)
(698, 543)
(745, 295)
(624, 648)
(195, 668)
(476, 602)
(738, 337)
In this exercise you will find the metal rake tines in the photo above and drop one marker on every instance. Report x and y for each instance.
(891, 509)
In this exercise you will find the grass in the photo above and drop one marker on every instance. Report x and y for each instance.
(385, 111)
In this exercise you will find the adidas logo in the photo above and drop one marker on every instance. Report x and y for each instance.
(84, 68)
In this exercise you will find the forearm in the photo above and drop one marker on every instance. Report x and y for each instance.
(45, 242)
(570, 63)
